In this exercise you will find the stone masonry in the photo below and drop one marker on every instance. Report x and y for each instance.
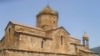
(46, 39)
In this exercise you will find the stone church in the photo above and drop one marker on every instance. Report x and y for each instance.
(46, 39)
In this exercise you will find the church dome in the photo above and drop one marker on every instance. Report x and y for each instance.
(48, 10)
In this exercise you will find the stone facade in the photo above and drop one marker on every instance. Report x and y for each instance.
(46, 39)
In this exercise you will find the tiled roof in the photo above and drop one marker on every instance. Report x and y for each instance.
(49, 10)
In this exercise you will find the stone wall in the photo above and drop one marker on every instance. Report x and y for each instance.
(35, 43)
(12, 52)
(2, 52)
(60, 41)
(47, 21)
(27, 42)
(8, 40)
(29, 30)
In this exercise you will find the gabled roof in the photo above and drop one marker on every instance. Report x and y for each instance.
(75, 38)
(16, 23)
(87, 51)
(76, 44)
(83, 48)
(28, 27)
(64, 30)
(60, 28)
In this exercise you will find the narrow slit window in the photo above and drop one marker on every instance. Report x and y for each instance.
(54, 22)
(42, 44)
(9, 32)
(61, 40)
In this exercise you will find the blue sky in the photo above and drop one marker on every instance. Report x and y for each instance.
(76, 16)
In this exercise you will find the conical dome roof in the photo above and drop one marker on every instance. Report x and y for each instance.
(48, 10)
(85, 36)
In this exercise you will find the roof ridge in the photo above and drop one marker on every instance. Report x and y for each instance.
(25, 25)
